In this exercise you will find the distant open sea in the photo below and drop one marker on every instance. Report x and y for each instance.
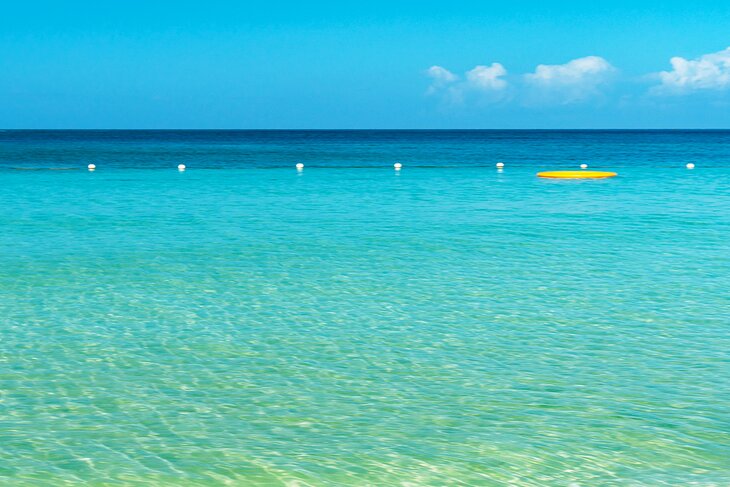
(243, 323)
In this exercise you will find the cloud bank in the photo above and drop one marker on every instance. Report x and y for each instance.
(579, 80)
(571, 82)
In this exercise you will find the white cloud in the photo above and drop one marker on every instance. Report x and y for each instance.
(441, 78)
(707, 72)
(441, 74)
(573, 81)
(483, 83)
(487, 77)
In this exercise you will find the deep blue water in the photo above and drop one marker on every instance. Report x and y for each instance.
(464, 148)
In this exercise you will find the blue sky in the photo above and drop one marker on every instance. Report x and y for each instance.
(376, 64)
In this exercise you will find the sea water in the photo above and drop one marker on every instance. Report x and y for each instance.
(245, 323)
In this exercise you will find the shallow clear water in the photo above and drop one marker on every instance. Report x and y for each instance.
(350, 325)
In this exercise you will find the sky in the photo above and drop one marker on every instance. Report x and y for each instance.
(375, 64)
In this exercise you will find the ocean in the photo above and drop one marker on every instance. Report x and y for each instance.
(244, 323)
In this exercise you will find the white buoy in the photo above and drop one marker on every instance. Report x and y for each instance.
(300, 166)
(500, 165)
(584, 166)
(91, 167)
(181, 167)
(690, 165)
(397, 166)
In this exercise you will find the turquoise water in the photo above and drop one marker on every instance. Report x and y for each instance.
(445, 325)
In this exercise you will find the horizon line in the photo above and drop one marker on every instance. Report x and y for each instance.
(360, 129)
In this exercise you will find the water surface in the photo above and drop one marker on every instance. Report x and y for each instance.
(242, 323)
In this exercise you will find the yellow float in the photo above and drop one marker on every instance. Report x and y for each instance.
(576, 174)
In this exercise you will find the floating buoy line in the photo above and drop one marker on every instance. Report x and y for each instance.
(567, 174)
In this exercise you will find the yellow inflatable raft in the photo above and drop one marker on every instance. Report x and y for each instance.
(576, 174)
